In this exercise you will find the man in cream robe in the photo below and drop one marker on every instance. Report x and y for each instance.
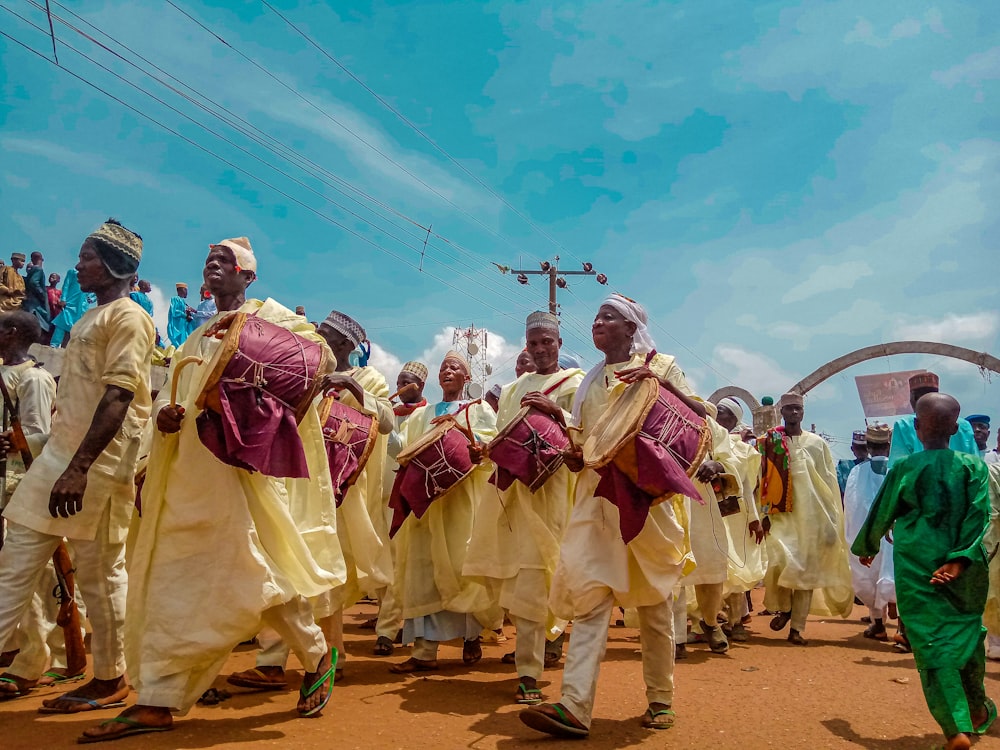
(596, 567)
(515, 542)
(438, 602)
(81, 485)
(209, 567)
(807, 554)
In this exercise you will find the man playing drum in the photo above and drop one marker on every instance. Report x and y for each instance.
(439, 603)
(410, 390)
(81, 485)
(807, 555)
(209, 568)
(596, 566)
(515, 542)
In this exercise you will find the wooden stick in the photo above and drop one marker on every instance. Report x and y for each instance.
(407, 387)
(192, 360)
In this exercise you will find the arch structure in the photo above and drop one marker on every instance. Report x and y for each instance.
(734, 391)
(982, 360)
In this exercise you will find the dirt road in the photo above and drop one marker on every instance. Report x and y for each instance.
(841, 691)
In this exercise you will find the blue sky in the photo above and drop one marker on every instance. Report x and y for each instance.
(778, 183)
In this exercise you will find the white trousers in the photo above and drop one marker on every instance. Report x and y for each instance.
(292, 622)
(100, 577)
(39, 639)
(274, 650)
(589, 640)
(529, 649)
(709, 596)
(680, 612)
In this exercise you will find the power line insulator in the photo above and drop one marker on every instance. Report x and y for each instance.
(602, 279)
(561, 283)
(522, 279)
(588, 267)
(545, 266)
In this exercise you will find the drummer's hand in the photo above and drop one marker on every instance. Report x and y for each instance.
(476, 452)
(866, 560)
(634, 374)
(757, 531)
(338, 381)
(442, 418)
(6, 442)
(573, 459)
(543, 404)
(766, 525)
(709, 470)
(218, 328)
(169, 418)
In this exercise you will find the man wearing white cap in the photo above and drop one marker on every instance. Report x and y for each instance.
(807, 554)
(218, 553)
(747, 558)
(81, 485)
(516, 538)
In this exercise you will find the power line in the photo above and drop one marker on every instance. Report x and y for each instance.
(246, 173)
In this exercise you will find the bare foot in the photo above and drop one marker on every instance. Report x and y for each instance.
(260, 678)
(16, 687)
(960, 741)
(138, 716)
(103, 692)
(58, 675)
(309, 704)
(414, 665)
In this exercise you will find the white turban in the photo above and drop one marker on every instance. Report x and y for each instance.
(642, 341)
(733, 406)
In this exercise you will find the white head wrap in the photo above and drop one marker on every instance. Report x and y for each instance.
(642, 343)
(733, 406)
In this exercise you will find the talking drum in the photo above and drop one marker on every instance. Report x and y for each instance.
(529, 449)
(261, 383)
(428, 469)
(349, 437)
(646, 447)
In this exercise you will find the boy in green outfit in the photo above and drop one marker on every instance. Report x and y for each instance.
(937, 506)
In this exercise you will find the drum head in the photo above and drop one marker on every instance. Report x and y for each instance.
(619, 425)
(428, 438)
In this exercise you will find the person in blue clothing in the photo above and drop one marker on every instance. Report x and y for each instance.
(180, 316)
(904, 435)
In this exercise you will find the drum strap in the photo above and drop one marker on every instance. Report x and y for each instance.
(558, 383)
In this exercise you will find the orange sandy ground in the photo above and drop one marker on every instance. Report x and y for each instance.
(841, 691)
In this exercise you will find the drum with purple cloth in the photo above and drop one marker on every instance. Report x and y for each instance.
(530, 449)
(428, 469)
(652, 438)
(262, 381)
(349, 437)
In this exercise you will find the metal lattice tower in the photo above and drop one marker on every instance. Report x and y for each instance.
(471, 342)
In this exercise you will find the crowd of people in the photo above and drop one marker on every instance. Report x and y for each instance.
(248, 523)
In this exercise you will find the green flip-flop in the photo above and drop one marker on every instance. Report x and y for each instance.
(991, 716)
(327, 676)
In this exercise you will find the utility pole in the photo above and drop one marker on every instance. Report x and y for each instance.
(557, 277)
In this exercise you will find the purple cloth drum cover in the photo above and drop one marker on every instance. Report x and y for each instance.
(530, 451)
(346, 433)
(263, 385)
(659, 470)
(428, 475)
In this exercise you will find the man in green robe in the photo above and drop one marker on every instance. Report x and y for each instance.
(936, 504)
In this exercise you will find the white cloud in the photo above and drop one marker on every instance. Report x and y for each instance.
(976, 68)
(950, 328)
(386, 363)
(81, 161)
(754, 371)
(161, 305)
(827, 279)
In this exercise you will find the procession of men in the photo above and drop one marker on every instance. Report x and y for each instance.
(277, 480)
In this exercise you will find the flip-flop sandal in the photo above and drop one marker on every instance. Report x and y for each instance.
(92, 705)
(875, 635)
(21, 692)
(649, 719)
(132, 727)
(413, 665)
(528, 696)
(60, 679)
(327, 676)
(558, 726)
(991, 716)
(240, 680)
(472, 651)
